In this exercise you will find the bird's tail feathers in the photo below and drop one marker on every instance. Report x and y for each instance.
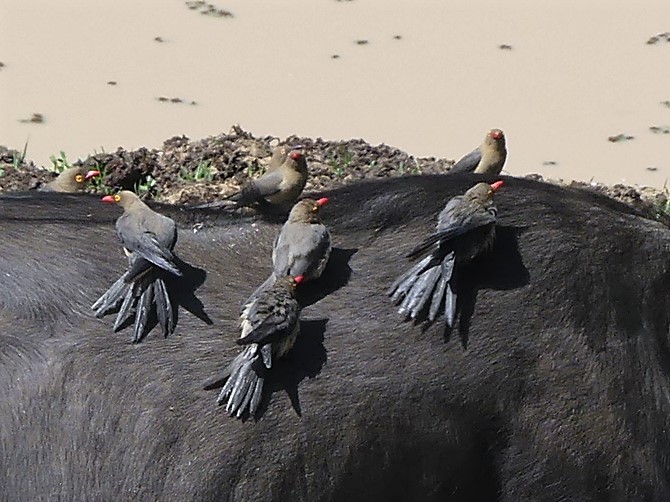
(139, 298)
(243, 389)
(426, 285)
(111, 299)
(421, 291)
(404, 283)
(164, 311)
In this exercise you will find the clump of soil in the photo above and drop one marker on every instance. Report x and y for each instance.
(199, 171)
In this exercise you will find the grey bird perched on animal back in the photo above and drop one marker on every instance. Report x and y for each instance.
(270, 327)
(302, 246)
(488, 158)
(278, 186)
(72, 179)
(465, 229)
(145, 232)
(148, 239)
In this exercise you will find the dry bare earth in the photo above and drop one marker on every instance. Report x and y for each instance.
(225, 161)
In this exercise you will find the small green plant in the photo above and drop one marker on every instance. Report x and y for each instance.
(98, 183)
(18, 158)
(60, 163)
(341, 162)
(254, 168)
(148, 186)
(663, 203)
(202, 172)
(404, 169)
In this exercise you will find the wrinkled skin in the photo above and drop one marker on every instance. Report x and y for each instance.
(557, 390)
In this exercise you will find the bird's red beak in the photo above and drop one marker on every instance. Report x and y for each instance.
(497, 185)
(295, 155)
(91, 174)
(496, 134)
(108, 198)
(299, 278)
(322, 201)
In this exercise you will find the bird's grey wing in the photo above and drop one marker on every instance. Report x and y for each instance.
(451, 228)
(255, 190)
(468, 163)
(276, 325)
(308, 253)
(146, 244)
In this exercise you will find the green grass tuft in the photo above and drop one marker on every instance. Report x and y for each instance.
(202, 172)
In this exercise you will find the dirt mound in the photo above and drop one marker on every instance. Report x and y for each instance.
(194, 172)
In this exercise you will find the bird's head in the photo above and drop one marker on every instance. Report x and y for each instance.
(74, 179)
(483, 191)
(496, 134)
(124, 198)
(307, 210)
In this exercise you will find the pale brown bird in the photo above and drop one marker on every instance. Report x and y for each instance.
(302, 246)
(465, 229)
(72, 179)
(488, 158)
(279, 186)
(269, 330)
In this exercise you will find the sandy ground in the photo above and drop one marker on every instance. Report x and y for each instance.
(427, 76)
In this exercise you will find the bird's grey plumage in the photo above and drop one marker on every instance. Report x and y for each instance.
(272, 317)
(468, 163)
(302, 247)
(278, 186)
(465, 229)
(488, 158)
(148, 239)
(149, 234)
(269, 328)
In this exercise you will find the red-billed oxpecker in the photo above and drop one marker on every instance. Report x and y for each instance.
(71, 180)
(270, 326)
(302, 246)
(148, 239)
(488, 158)
(465, 229)
(282, 185)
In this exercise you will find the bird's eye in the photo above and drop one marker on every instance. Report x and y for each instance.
(315, 209)
(79, 178)
(117, 198)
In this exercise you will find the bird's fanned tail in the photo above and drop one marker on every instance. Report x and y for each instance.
(138, 299)
(243, 389)
(426, 285)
